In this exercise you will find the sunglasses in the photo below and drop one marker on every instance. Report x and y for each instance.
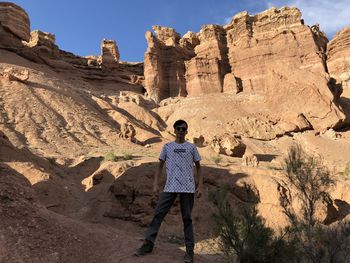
(181, 129)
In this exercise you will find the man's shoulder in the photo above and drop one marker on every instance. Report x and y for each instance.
(191, 145)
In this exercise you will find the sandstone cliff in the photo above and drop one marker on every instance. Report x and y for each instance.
(338, 59)
(14, 25)
(164, 63)
(338, 62)
(271, 54)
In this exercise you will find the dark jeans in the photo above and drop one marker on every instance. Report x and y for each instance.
(166, 200)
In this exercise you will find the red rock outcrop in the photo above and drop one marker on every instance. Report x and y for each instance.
(164, 66)
(205, 72)
(270, 54)
(258, 44)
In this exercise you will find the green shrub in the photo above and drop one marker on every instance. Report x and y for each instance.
(128, 156)
(243, 236)
(312, 181)
(346, 173)
(216, 159)
(110, 157)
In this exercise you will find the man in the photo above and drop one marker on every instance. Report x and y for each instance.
(178, 157)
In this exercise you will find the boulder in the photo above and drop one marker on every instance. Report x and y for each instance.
(16, 74)
(198, 141)
(228, 145)
(250, 160)
(127, 132)
(256, 128)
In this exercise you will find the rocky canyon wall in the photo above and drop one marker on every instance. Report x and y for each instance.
(272, 54)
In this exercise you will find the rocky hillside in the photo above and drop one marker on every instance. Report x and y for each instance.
(80, 136)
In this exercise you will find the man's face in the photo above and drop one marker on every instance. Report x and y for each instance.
(181, 130)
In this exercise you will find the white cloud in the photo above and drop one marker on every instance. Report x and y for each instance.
(331, 15)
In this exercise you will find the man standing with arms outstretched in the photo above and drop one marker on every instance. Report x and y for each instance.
(178, 157)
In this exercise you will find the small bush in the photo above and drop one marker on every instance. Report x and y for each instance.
(110, 157)
(216, 159)
(346, 173)
(243, 236)
(127, 156)
(311, 180)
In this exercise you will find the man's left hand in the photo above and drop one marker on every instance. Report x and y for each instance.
(199, 192)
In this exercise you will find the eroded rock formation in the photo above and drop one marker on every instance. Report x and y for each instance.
(164, 65)
(271, 54)
(205, 72)
(110, 54)
(258, 44)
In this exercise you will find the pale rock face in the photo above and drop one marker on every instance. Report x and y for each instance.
(251, 127)
(110, 54)
(270, 54)
(15, 19)
(250, 160)
(39, 38)
(308, 94)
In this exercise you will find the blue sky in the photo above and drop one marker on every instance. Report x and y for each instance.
(80, 25)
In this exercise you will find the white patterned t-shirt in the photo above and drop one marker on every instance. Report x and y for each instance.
(179, 159)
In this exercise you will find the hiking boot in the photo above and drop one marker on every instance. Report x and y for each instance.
(188, 258)
(146, 248)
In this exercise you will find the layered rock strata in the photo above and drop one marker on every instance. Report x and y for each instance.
(15, 19)
(164, 62)
(258, 44)
(205, 72)
(14, 25)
